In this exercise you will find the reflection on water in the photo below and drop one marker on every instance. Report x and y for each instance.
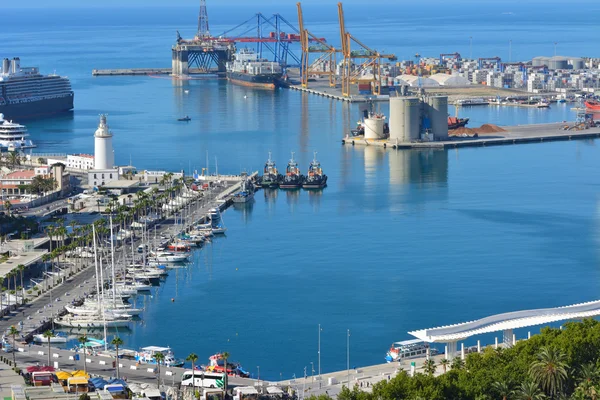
(314, 198)
(291, 197)
(271, 196)
(245, 209)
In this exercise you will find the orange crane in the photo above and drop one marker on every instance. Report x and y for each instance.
(322, 65)
(371, 60)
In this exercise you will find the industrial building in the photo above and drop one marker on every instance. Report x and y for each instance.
(412, 119)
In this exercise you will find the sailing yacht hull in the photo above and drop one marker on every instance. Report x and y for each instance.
(91, 324)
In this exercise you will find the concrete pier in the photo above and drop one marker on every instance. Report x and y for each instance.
(519, 134)
(131, 71)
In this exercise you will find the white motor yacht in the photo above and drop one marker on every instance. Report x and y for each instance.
(13, 136)
(40, 338)
(92, 321)
(167, 256)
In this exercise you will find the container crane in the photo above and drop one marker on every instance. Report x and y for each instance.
(496, 60)
(444, 56)
(328, 54)
(372, 59)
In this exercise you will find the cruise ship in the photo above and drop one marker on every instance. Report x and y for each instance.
(25, 93)
(13, 137)
(248, 70)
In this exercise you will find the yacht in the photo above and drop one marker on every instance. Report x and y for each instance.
(92, 321)
(40, 338)
(408, 349)
(167, 256)
(13, 137)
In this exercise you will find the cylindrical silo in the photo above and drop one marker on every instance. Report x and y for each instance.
(397, 118)
(412, 116)
(374, 127)
(438, 116)
(578, 63)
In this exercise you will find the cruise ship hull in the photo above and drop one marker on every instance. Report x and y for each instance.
(262, 81)
(36, 109)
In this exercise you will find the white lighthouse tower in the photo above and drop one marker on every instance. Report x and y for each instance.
(104, 156)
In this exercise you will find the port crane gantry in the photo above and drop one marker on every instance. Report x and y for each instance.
(318, 66)
(372, 60)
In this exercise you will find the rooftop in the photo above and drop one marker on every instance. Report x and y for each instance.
(26, 174)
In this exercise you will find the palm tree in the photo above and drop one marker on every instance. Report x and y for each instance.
(458, 363)
(48, 335)
(8, 276)
(225, 356)
(117, 341)
(160, 358)
(83, 340)
(7, 206)
(193, 357)
(549, 370)
(530, 391)
(429, 367)
(503, 389)
(14, 159)
(445, 363)
(14, 332)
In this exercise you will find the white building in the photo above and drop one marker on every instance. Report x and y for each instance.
(80, 161)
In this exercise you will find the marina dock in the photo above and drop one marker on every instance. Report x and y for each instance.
(520, 134)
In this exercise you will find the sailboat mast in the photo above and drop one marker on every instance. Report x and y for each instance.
(96, 261)
(112, 255)
(102, 303)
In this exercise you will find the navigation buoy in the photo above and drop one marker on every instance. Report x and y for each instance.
(172, 300)
(245, 96)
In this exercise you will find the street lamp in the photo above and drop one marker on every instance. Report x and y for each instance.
(312, 367)
(470, 47)
(258, 368)
(348, 356)
(555, 43)
(319, 355)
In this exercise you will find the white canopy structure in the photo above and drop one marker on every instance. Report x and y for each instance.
(450, 80)
(506, 323)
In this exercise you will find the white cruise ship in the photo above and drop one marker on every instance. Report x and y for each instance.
(13, 137)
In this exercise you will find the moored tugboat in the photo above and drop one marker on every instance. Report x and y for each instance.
(315, 179)
(293, 179)
(271, 177)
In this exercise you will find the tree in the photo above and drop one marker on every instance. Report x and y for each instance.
(14, 159)
(193, 357)
(7, 207)
(549, 370)
(160, 358)
(445, 363)
(530, 391)
(502, 389)
(117, 341)
(14, 332)
(83, 340)
(41, 161)
(429, 366)
(48, 335)
(458, 363)
(225, 356)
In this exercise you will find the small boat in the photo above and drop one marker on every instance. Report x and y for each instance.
(219, 230)
(186, 118)
(271, 177)
(293, 179)
(408, 349)
(455, 123)
(147, 355)
(186, 91)
(179, 246)
(246, 192)
(167, 256)
(217, 364)
(56, 338)
(592, 105)
(315, 179)
(92, 322)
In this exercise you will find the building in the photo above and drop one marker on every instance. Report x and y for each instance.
(16, 182)
(80, 161)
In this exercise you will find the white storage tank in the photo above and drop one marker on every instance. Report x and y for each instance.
(374, 127)
(438, 116)
(397, 118)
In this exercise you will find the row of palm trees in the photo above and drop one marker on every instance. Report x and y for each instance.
(12, 275)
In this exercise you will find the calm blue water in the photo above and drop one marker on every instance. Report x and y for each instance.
(398, 241)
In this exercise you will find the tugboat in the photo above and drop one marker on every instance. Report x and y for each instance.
(185, 119)
(271, 177)
(293, 179)
(316, 179)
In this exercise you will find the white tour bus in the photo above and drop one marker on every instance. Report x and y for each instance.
(202, 379)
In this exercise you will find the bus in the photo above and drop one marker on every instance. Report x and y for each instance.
(202, 379)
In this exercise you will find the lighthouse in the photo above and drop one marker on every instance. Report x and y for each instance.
(104, 156)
